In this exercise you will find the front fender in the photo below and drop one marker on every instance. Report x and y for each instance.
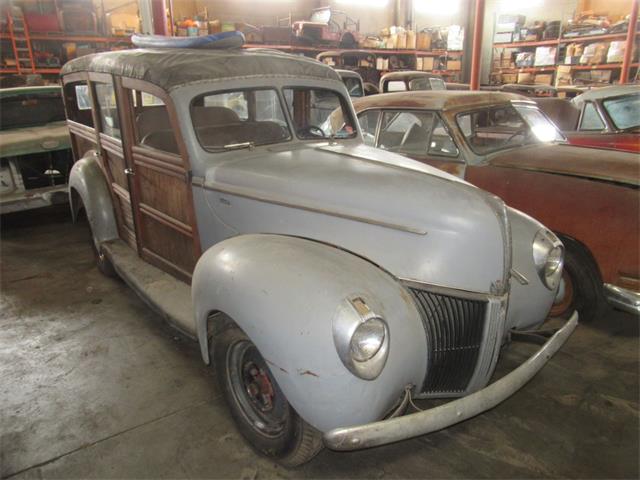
(87, 181)
(529, 303)
(286, 293)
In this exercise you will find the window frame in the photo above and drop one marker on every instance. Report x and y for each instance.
(608, 119)
(105, 79)
(250, 113)
(458, 158)
(344, 104)
(598, 113)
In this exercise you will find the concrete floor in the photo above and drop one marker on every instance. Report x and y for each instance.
(92, 384)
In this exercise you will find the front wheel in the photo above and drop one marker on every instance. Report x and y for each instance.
(583, 287)
(102, 262)
(258, 406)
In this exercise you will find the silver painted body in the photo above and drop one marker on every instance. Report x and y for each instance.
(292, 231)
(622, 298)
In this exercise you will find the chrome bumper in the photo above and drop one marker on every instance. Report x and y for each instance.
(421, 423)
(621, 298)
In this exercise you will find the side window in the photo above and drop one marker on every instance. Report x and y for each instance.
(151, 123)
(78, 103)
(368, 123)
(441, 142)
(107, 109)
(396, 86)
(406, 132)
(590, 118)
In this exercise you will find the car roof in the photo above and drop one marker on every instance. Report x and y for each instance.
(606, 92)
(348, 73)
(403, 74)
(436, 99)
(171, 68)
(10, 92)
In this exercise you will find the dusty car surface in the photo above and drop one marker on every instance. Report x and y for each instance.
(328, 282)
(35, 155)
(606, 117)
(407, 80)
(502, 143)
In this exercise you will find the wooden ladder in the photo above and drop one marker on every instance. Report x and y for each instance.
(20, 41)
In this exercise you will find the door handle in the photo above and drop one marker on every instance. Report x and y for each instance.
(129, 171)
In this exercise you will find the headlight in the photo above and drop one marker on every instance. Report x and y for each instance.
(367, 340)
(361, 338)
(548, 257)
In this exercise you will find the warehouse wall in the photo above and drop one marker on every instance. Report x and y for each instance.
(255, 12)
(373, 18)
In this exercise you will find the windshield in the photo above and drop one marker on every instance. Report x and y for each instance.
(311, 110)
(624, 111)
(236, 119)
(506, 126)
(354, 86)
(427, 83)
(31, 109)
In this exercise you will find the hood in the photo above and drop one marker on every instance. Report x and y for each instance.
(594, 163)
(24, 141)
(415, 221)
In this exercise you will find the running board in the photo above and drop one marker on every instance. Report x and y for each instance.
(167, 295)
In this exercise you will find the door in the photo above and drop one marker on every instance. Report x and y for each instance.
(162, 198)
(112, 152)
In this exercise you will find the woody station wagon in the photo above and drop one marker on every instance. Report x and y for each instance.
(327, 282)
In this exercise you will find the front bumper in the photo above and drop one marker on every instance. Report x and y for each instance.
(621, 298)
(421, 423)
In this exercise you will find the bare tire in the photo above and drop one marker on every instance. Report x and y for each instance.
(258, 406)
(583, 286)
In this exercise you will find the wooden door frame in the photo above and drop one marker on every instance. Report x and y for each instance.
(174, 165)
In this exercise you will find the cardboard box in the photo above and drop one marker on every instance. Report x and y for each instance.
(382, 63)
(545, 56)
(509, 78)
(616, 52)
(525, 78)
(563, 76)
(401, 40)
(423, 41)
(427, 64)
(543, 79)
(454, 65)
(411, 39)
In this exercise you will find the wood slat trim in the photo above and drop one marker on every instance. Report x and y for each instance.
(158, 156)
(166, 265)
(161, 168)
(88, 133)
(121, 192)
(166, 220)
(111, 145)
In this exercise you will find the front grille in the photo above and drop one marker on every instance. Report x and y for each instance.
(454, 328)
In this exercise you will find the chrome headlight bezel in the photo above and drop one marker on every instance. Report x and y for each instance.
(548, 257)
(353, 317)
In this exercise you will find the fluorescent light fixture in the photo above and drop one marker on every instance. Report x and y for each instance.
(364, 3)
(437, 7)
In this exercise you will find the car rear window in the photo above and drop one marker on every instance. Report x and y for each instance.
(31, 109)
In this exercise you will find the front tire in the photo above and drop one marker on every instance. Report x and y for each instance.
(258, 406)
(583, 286)
(102, 262)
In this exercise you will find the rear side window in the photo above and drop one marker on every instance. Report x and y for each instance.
(107, 109)
(368, 124)
(78, 102)
(228, 120)
(591, 119)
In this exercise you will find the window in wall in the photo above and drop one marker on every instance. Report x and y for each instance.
(107, 109)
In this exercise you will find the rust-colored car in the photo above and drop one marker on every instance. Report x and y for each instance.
(327, 27)
(606, 117)
(503, 143)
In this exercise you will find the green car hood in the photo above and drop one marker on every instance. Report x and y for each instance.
(45, 138)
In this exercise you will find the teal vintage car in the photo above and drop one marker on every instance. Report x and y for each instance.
(35, 148)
